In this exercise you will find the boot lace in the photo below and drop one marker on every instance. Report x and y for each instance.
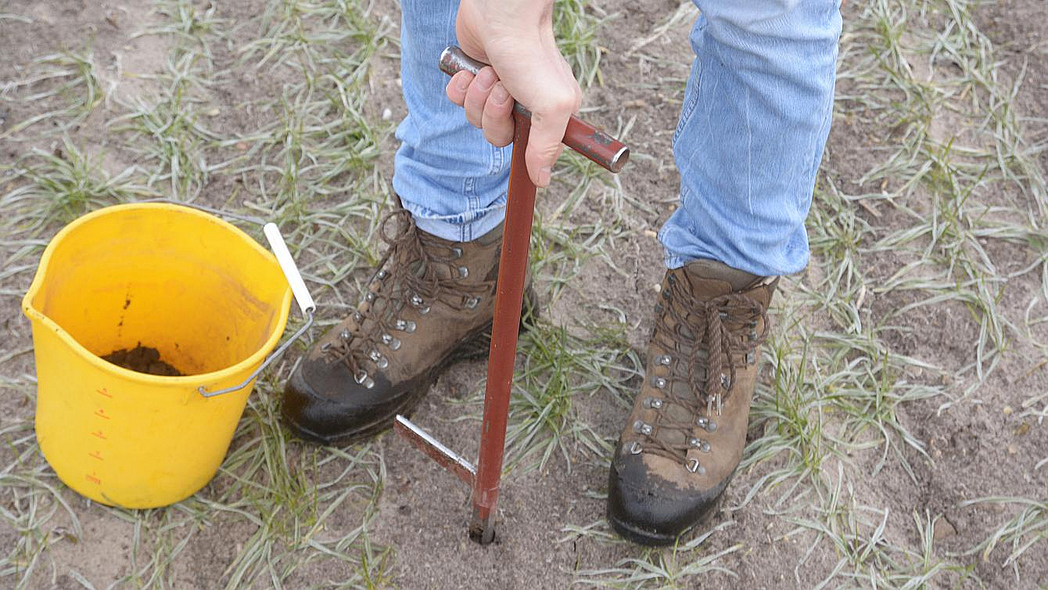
(707, 337)
(412, 279)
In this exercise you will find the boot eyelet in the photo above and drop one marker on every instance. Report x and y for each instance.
(694, 467)
(379, 360)
(642, 428)
(725, 381)
(658, 382)
(390, 341)
(463, 272)
(706, 424)
(345, 335)
(700, 444)
(360, 377)
(381, 274)
(370, 297)
(750, 357)
(472, 302)
(635, 448)
(423, 310)
(654, 403)
(405, 326)
(456, 251)
(358, 317)
(663, 359)
(416, 300)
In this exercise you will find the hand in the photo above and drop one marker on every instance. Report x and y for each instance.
(516, 38)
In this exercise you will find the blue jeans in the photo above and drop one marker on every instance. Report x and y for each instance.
(756, 114)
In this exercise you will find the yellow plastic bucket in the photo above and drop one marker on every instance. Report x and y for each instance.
(203, 293)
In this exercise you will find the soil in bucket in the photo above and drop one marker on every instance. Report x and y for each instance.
(142, 359)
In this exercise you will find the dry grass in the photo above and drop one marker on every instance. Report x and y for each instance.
(308, 153)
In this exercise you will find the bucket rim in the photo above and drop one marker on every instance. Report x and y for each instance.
(196, 380)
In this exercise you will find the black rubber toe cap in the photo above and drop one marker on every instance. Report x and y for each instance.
(647, 509)
(324, 404)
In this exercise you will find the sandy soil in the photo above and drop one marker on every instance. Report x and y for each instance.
(980, 448)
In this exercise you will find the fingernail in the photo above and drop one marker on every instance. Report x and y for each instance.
(544, 175)
(486, 79)
(500, 95)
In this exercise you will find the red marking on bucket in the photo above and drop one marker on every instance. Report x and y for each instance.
(104, 392)
(99, 435)
(91, 478)
(96, 455)
(101, 413)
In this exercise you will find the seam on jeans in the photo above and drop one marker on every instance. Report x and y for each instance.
(459, 219)
(495, 161)
(689, 107)
(464, 225)
(695, 76)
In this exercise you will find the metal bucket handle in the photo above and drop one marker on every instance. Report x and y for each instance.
(291, 273)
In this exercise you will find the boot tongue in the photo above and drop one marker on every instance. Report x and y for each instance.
(704, 276)
(706, 279)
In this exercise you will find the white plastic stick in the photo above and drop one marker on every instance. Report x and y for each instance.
(287, 264)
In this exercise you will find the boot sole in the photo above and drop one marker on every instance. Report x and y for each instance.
(475, 346)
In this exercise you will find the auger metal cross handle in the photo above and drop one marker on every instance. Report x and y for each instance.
(484, 479)
(603, 149)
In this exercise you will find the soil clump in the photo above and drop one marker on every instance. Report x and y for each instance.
(142, 359)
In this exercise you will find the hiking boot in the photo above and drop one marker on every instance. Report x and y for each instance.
(429, 304)
(685, 436)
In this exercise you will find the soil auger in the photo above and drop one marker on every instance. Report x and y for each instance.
(484, 478)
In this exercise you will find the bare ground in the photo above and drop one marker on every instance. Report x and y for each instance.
(898, 437)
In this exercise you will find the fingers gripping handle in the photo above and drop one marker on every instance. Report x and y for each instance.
(601, 148)
(287, 264)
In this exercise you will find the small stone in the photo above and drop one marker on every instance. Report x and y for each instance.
(213, 112)
(1012, 450)
(943, 530)
(1007, 410)
(242, 146)
(387, 114)
(1022, 429)
(657, 287)
(648, 233)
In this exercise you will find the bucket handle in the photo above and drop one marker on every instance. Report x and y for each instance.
(302, 297)
(291, 273)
